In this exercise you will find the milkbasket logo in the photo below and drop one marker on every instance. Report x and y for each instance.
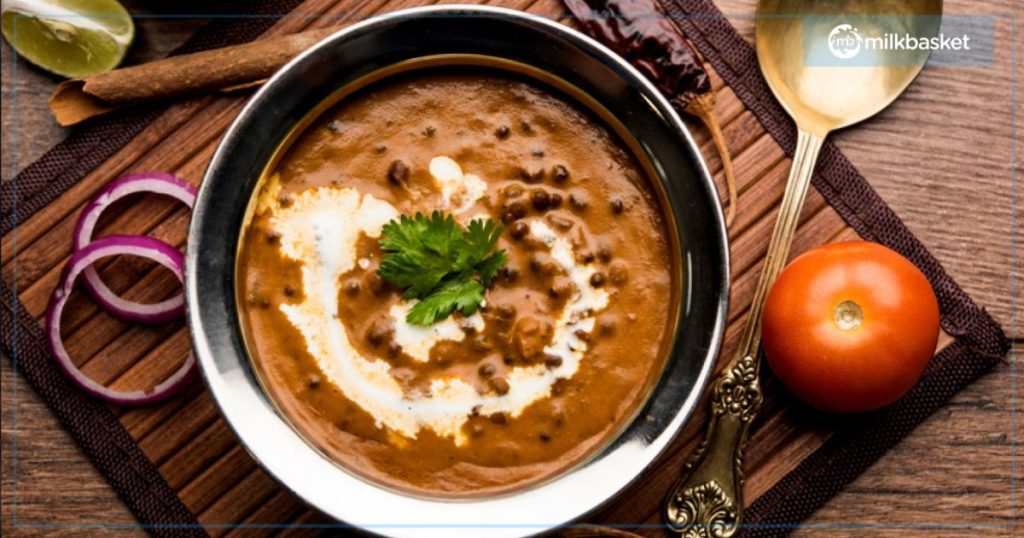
(844, 41)
(873, 40)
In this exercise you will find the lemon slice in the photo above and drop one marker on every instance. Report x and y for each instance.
(72, 38)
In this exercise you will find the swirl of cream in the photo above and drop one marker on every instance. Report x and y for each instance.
(320, 229)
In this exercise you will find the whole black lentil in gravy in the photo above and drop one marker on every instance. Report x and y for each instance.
(510, 150)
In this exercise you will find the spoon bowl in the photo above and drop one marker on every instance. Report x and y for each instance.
(822, 91)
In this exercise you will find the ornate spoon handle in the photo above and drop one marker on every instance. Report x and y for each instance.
(708, 498)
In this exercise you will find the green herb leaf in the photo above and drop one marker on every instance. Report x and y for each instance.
(489, 266)
(420, 252)
(480, 239)
(463, 293)
(434, 260)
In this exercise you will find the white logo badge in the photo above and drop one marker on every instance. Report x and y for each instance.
(844, 42)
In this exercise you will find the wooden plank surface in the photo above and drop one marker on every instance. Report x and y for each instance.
(938, 466)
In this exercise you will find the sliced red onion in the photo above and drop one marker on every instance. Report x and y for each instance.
(82, 259)
(152, 182)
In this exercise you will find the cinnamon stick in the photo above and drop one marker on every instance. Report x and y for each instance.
(224, 69)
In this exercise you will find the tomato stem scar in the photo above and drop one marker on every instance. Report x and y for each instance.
(848, 315)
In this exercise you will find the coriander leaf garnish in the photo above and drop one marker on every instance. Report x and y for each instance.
(434, 260)
(489, 266)
(419, 252)
(480, 238)
(462, 293)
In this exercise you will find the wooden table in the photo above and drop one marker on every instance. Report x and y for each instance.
(943, 153)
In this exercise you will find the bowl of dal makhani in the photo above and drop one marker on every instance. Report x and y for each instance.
(457, 268)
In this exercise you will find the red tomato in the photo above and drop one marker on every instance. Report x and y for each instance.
(850, 326)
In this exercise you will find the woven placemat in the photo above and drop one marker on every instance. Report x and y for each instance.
(202, 477)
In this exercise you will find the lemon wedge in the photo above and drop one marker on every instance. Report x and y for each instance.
(71, 38)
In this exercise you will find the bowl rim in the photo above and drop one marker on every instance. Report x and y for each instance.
(300, 467)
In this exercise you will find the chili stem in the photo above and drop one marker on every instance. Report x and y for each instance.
(703, 107)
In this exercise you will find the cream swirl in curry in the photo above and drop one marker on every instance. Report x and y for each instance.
(569, 338)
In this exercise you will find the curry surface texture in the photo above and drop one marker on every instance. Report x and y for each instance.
(542, 165)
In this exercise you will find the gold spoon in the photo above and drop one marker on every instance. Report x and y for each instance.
(839, 79)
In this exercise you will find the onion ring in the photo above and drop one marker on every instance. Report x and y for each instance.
(82, 259)
(152, 182)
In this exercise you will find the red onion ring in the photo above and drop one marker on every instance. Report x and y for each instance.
(82, 259)
(153, 182)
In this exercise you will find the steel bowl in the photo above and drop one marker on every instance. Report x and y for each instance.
(654, 130)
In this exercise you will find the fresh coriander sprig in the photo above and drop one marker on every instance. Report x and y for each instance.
(434, 260)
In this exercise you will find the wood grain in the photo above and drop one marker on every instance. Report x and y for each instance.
(954, 470)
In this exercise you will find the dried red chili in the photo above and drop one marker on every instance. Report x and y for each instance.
(640, 32)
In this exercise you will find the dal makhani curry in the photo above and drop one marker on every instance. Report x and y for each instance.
(472, 396)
